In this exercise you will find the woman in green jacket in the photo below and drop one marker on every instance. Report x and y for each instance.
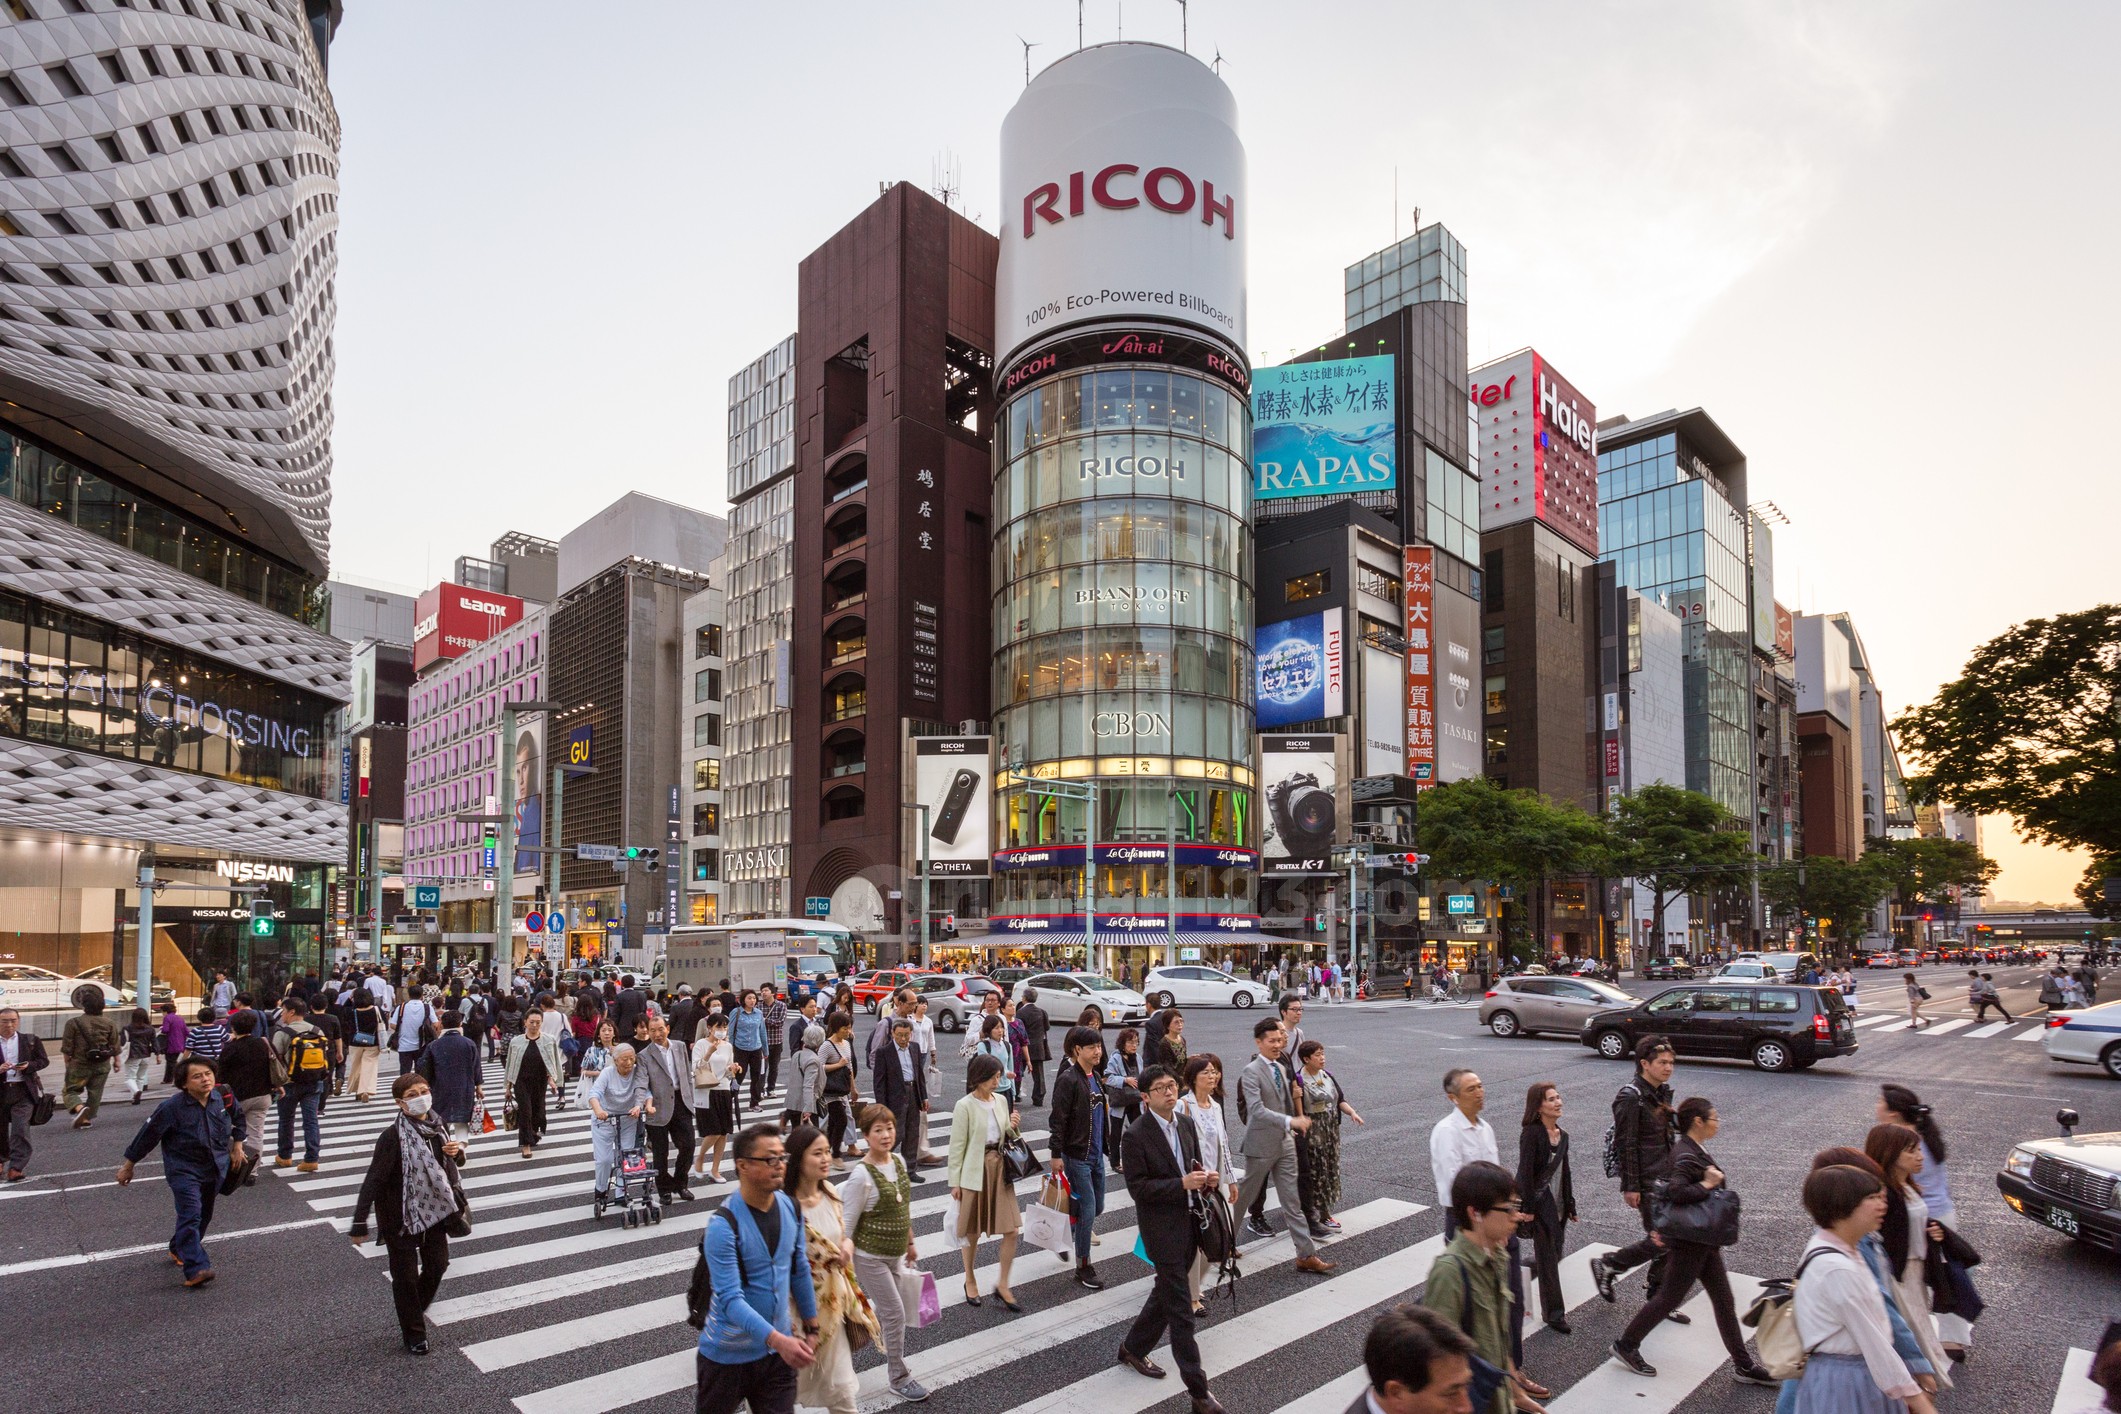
(986, 1199)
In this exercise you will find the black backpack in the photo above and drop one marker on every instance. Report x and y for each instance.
(699, 1294)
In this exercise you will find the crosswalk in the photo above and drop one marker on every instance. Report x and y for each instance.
(568, 1317)
(2019, 1028)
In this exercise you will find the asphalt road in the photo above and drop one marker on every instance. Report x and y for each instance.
(544, 1311)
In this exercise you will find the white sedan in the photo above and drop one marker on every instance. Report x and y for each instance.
(2086, 1036)
(1064, 996)
(1202, 986)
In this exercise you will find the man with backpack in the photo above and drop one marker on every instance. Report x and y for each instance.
(304, 1053)
(1638, 1150)
(757, 1268)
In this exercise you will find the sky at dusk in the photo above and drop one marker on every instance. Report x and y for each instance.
(1869, 240)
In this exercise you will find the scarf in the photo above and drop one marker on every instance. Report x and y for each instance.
(429, 1198)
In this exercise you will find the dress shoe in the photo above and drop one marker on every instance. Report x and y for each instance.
(1140, 1365)
(1317, 1266)
(1258, 1227)
(1206, 1404)
(416, 1347)
(1680, 1318)
(685, 1195)
(15, 1175)
(1558, 1324)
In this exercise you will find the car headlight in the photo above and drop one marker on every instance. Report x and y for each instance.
(2019, 1163)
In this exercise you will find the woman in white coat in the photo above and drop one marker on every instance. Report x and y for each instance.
(1202, 1102)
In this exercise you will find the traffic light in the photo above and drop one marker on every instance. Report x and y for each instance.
(262, 925)
(1404, 861)
(1318, 922)
(648, 857)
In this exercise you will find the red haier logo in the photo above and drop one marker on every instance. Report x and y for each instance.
(1115, 188)
(1493, 393)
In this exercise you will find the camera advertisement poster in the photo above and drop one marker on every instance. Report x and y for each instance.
(953, 777)
(1303, 803)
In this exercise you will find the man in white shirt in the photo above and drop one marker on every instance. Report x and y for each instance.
(1460, 1137)
(224, 994)
(411, 1022)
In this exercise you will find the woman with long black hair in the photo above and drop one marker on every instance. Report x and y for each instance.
(1548, 1190)
(1909, 1234)
(1899, 1105)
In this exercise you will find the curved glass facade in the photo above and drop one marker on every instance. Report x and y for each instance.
(1123, 617)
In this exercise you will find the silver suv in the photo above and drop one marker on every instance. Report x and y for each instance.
(1519, 1006)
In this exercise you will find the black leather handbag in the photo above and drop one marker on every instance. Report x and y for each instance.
(1019, 1162)
(1713, 1222)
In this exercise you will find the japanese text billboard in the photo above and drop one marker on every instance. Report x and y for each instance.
(1323, 429)
(1418, 598)
(1302, 666)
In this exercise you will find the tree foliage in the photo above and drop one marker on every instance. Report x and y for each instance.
(2032, 729)
(2091, 889)
(1925, 871)
(1475, 829)
(1676, 842)
(1840, 893)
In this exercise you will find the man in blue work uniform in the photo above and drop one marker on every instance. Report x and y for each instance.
(197, 1134)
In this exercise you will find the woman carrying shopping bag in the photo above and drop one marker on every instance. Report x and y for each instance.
(878, 1198)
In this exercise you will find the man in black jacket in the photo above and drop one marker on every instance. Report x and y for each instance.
(1644, 1130)
(1160, 1157)
(21, 1057)
(629, 1006)
(1032, 1017)
(899, 1074)
(1075, 1132)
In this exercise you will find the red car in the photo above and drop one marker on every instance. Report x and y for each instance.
(870, 988)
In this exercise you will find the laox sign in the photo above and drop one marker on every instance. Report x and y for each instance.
(1165, 188)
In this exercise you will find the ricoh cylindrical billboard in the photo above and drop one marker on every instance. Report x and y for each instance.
(1123, 705)
(1123, 192)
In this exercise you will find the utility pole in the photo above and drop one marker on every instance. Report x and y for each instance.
(921, 950)
(144, 949)
(552, 842)
(1171, 870)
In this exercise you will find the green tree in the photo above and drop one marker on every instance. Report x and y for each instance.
(2032, 729)
(1677, 842)
(1474, 829)
(1926, 871)
(2091, 889)
(1840, 893)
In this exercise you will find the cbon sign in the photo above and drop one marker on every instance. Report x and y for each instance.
(1125, 179)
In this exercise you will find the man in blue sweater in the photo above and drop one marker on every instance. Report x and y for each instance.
(758, 1262)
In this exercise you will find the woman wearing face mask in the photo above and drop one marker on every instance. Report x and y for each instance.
(412, 1185)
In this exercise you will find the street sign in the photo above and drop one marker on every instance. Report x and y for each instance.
(596, 851)
(817, 908)
(486, 855)
(1461, 903)
(534, 922)
(426, 895)
(578, 755)
(556, 922)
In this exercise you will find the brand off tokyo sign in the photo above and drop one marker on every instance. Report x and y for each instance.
(1124, 179)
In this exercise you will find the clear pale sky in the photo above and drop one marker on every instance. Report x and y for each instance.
(1873, 241)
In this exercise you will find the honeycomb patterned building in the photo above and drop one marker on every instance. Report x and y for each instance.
(168, 245)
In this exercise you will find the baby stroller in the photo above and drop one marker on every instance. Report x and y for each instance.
(633, 1176)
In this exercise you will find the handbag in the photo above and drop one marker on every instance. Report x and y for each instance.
(1018, 1160)
(1713, 1222)
(41, 1108)
(237, 1173)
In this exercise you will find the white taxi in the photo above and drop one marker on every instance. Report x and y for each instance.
(2086, 1036)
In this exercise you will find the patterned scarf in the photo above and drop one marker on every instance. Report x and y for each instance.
(428, 1197)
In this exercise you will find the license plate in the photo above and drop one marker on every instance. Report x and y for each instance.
(2062, 1220)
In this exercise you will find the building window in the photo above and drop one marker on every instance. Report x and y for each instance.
(707, 819)
(1498, 697)
(703, 908)
(1491, 647)
(1377, 582)
(707, 641)
(707, 685)
(706, 865)
(1307, 586)
(707, 729)
(1565, 598)
(707, 774)
(1498, 746)
(1491, 577)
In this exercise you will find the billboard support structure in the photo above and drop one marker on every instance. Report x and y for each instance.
(922, 809)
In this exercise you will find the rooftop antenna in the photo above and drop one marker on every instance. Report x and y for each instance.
(1217, 66)
(1184, 39)
(1029, 45)
(1122, 19)
(1078, 24)
(943, 172)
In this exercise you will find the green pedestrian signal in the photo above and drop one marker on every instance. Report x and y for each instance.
(261, 925)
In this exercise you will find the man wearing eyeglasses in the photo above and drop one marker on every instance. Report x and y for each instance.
(1467, 1284)
(759, 1262)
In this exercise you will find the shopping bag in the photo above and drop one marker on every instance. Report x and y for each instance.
(487, 1123)
(1054, 1194)
(1047, 1228)
(950, 1215)
(1142, 1251)
(930, 1309)
(917, 1295)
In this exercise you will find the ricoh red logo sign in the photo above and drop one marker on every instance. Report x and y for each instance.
(1123, 186)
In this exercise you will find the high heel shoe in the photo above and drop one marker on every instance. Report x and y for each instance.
(1010, 1302)
(971, 1297)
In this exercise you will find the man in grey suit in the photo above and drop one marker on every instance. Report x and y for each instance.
(1271, 1135)
(670, 1122)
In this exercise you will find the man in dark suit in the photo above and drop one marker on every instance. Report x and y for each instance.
(21, 1057)
(1032, 1017)
(899, 1076)
(1160, 1159)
